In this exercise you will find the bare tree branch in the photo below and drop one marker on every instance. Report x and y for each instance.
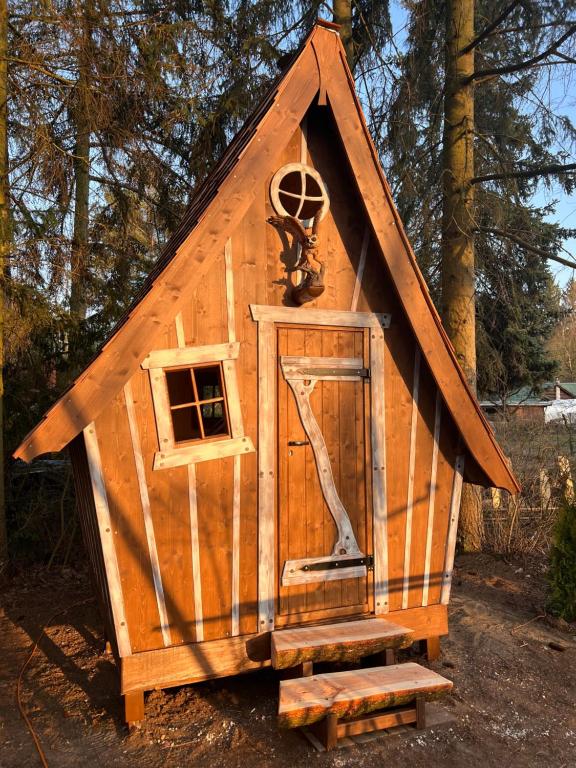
(123, 185)
(42, 70)
(527, 246)
(490, 28)
(533, 27)
(496, 71)
(566, 58)
(530, 173)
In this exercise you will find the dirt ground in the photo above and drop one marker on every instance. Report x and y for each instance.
(513, 699)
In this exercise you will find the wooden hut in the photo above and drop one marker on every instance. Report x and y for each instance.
(275, 435)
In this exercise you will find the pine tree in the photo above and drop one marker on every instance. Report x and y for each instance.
(461, 117)
(562, 572)
(5, 250)
(458, 212)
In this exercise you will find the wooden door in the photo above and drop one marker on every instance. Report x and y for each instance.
(323, 527)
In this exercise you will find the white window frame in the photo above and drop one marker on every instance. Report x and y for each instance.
(172, 454)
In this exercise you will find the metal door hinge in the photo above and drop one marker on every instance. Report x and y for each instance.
(362, 373)
(329, 565)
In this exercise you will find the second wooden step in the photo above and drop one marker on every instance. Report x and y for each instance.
(356, 692)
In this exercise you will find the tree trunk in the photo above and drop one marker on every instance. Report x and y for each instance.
(5, 246)
(81, 121)
(342, 14)
(458, 282)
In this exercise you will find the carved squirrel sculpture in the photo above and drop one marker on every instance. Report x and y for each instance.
(312, 284)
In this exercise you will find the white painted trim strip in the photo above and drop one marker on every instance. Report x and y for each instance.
(107, 540)
(166, 358)
(147, 514)
(411, 471)
(379, 493)
(193, 517)
(237, 430)
(161, 408)
(236, 506)
(360, 270)
(432, 497)
(266, 474)
(452, 529)
(303, 161)
(195, 547)
(180, 337)
(344, 318)
(230, 290)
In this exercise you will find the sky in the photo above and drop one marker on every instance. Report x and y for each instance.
(561, 95)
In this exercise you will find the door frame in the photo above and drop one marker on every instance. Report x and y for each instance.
(267, 317)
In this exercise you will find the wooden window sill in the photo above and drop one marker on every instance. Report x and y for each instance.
(204, 451)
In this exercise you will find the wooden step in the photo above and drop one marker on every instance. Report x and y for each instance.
(344, 641)
(307, 700)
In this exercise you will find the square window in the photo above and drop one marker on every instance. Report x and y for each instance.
(197, 403)
(195, 421)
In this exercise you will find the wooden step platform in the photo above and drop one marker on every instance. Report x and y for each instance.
(345, 695)
(344, 641)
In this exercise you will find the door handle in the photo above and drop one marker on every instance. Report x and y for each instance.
(298, 442)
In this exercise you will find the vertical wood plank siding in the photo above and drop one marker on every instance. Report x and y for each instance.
(195, 549)
(361, 267)
(411, 470)
(193, 512)
(107, 540)
(452, 530)
(148, 524)
(432, 497)
(90, 533)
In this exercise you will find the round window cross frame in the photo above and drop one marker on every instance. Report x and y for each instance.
(276, 191)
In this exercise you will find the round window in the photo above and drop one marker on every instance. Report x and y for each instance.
(298, 190)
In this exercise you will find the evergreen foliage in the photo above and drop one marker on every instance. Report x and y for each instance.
(167, 86)
(562, 573)
(517, 302)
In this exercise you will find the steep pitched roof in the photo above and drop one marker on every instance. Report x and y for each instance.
(318, 71)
